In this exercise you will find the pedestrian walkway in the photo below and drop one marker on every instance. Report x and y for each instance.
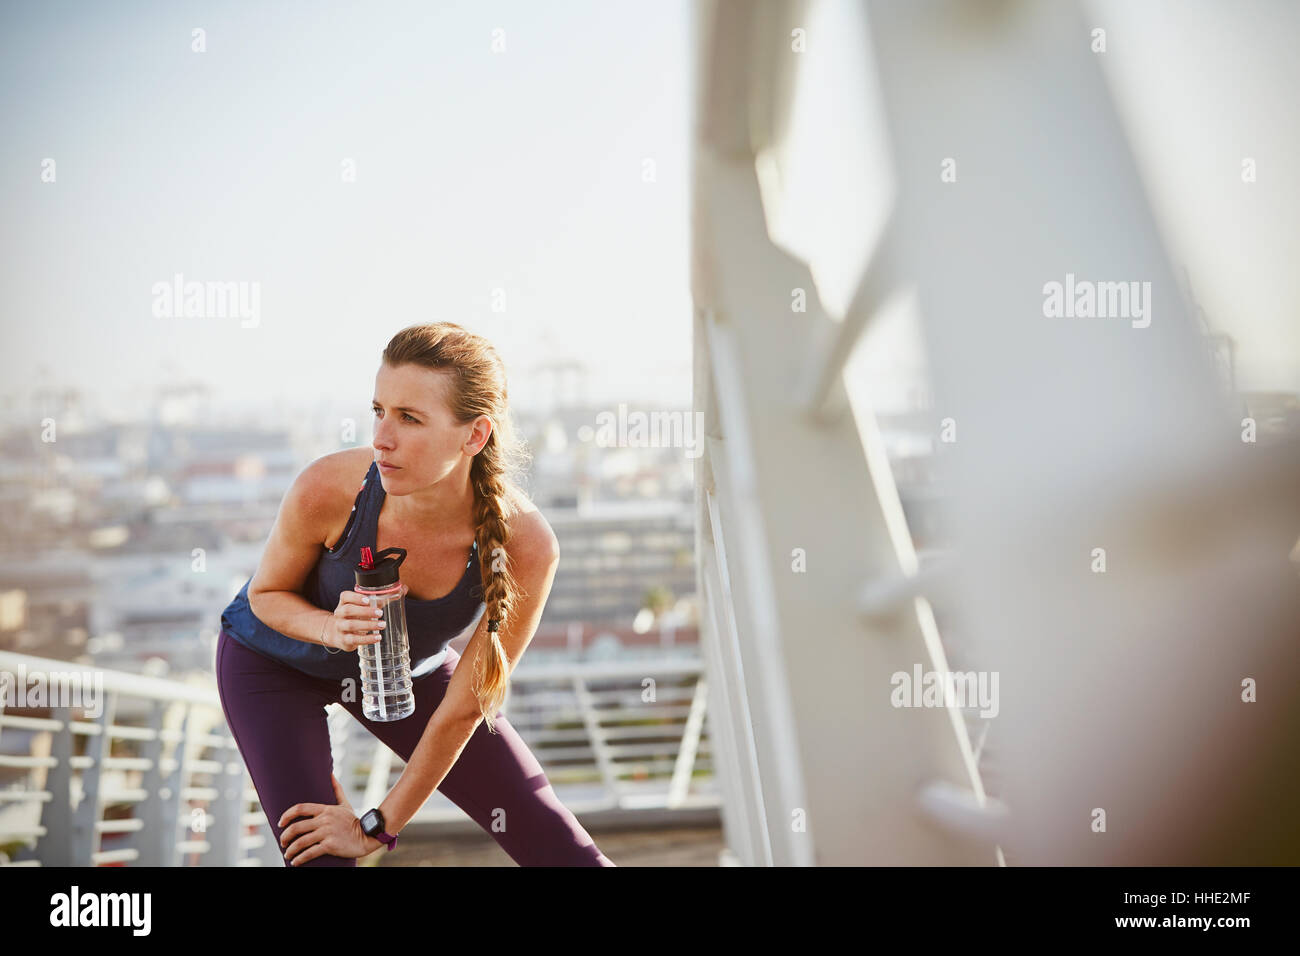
(677, 846)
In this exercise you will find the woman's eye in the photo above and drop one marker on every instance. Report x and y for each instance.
(405, 416)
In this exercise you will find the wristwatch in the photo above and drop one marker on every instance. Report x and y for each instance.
(372, 822)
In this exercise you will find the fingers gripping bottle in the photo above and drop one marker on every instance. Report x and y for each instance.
(386, 692)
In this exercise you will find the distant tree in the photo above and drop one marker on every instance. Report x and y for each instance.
(658, 599)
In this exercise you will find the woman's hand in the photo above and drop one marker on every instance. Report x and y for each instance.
(329, 828)
(354, 623)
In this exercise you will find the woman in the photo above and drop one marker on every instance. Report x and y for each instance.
(436, 483)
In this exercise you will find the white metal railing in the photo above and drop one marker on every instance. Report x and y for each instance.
(611, 736)
(820, 766)
(187, 792)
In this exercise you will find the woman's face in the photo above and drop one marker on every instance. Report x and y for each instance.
(415, 431)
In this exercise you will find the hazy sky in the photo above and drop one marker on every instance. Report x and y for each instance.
(523, 170)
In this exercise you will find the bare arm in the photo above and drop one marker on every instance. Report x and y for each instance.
(275, 592)
(534, 556)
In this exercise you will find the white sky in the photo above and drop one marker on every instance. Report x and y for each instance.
(520, 170)
(475, 170)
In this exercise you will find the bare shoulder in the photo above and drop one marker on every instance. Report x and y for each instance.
(531, 536)
(327, 486)
(339, 474)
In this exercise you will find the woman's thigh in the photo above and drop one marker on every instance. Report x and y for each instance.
(277, 716)
(496, 780)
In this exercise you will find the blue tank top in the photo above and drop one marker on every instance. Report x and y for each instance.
(430, 624)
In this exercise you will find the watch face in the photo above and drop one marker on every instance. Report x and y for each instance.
(372, 822)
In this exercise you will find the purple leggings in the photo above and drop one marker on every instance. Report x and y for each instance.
(277, 716)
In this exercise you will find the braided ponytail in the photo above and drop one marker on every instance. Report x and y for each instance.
(499, 585)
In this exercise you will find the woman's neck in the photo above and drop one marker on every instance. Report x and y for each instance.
(446, 506)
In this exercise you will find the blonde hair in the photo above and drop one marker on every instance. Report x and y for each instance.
(477, 386)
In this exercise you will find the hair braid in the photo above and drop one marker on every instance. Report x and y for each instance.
(499, 585)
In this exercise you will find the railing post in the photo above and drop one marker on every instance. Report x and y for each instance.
(227, 810)
(86, 839)
(55, 848)
(150, 843)
(597, 736)
(171, 795)
(684, 766)
(731, 732)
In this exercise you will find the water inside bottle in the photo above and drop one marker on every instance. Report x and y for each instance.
(386, 692)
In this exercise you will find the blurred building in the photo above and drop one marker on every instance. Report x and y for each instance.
(127, 539)
(614, 553)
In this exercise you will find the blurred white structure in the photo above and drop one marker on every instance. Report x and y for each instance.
(1119, 552)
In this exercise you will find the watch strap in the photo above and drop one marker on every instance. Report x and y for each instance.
(380, 834)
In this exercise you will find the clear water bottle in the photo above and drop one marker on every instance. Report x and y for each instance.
(386, 692)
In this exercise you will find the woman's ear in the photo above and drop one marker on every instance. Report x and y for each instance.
(479, 435)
